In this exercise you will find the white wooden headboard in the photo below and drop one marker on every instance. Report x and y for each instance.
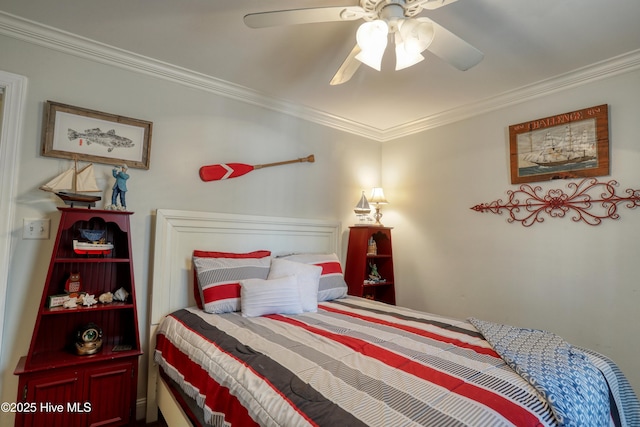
(178, 233)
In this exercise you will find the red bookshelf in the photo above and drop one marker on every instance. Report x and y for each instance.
(91, 389)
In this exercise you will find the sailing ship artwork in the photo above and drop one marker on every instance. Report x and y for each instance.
(73, 184)
(568, 145)
(546, 150)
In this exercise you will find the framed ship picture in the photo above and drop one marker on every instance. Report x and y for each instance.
(92, 136)
(568, 145)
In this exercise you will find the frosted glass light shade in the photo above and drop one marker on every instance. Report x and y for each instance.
(404, 58)
(416, 34)
(413, 37)
(372, 39)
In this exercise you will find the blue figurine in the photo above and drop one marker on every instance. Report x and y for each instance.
(120, 187)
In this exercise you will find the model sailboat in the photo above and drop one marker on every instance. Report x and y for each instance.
(72, 183)
(361, 210)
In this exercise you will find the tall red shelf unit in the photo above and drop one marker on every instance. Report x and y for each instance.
(358, 264)
(58, 387)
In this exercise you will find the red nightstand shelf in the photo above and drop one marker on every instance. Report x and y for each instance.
(359, 264)
(61, 386)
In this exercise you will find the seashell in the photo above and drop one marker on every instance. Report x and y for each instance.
(70, 303)
(89, 300)
(121, 295)
(106, 298)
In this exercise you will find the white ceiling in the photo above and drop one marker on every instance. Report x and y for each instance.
(526, 45)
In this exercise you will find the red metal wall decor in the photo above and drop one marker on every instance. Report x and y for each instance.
(588, 201)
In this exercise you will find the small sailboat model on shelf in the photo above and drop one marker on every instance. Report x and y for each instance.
(362, 211)
(71, 185)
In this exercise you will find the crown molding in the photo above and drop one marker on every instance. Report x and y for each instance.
(608, 68)
(53, 38)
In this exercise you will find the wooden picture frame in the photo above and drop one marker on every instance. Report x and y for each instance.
(568, 145)
(92, 136)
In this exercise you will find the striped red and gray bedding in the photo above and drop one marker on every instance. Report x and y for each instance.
(355, 362)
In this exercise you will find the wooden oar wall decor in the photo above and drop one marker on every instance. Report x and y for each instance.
(234, 170)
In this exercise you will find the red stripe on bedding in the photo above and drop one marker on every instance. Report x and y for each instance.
(509, 410)
(330, 267)
(217, 397)
(199, 375)
(221, 292)
(414, 330)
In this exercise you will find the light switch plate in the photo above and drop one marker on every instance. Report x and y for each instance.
(36, 228)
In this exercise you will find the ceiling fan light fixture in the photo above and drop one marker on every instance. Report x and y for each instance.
(372, 39)
(405, 59)
(416, 35)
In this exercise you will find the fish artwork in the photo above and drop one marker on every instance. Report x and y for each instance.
(109, 139)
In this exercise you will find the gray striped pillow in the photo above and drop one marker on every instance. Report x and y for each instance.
(219, 280)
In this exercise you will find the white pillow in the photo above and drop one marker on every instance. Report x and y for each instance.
(332, 285)
(278, 296)
(307, 276)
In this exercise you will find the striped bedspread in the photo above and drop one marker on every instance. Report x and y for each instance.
(353, 363)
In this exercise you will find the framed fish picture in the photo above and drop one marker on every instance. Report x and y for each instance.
(568, 145)
(92, 136)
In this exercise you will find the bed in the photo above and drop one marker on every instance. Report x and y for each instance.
(352, 361)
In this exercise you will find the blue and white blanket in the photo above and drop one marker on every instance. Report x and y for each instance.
(573, 386)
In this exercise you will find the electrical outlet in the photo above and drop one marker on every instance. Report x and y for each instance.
(36, 228)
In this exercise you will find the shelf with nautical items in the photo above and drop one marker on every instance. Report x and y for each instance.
(369, 265)
(90, 281)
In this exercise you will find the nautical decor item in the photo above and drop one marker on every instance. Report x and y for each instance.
(372, 246)
(362, 210)
(71, 185)
(568, 145)
(234, 170)
(120, 187)
(96, 244)
(70, 303)
(87, 300)
(84, 248)
(94, 236)
(374, 275)
(121, 295)
(88, 339)
(106, 298)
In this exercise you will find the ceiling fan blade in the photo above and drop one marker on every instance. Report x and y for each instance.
(304, 16)
(451, 48)
(428, 4)
(348, 68)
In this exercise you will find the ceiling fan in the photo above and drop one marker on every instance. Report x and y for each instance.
(412, 34)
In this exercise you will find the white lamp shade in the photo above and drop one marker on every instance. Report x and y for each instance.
(377, 196)
(372, 39)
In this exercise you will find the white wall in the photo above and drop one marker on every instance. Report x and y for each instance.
(577, 280)
(191, 128)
